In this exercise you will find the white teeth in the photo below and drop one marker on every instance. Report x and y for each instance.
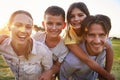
(96, 46)
(22, 36)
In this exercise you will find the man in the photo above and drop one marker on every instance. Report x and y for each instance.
(95, 31)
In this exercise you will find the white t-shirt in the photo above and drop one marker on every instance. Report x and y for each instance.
(59, 51)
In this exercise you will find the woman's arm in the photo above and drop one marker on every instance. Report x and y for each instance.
(3, 37)
(91, 63)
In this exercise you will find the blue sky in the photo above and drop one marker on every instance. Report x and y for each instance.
(110, 8)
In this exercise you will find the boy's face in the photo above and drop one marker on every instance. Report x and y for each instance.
(21, 28)
(95, 39)
(53, 25)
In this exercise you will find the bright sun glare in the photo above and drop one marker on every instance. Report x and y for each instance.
(35, 7)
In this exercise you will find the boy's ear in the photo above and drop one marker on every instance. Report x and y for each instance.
(43, 24)
(64, 25)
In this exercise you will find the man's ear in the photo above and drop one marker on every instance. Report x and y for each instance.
(43, 24)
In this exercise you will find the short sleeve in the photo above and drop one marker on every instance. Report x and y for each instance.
(47, 60)
(71, 37)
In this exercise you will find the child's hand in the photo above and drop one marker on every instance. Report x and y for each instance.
(47, 75)
(100, 77)
(3, 37)
(111, 77)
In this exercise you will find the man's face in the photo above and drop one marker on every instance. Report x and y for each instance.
(95, 39)
(21, 28)
(53, 25)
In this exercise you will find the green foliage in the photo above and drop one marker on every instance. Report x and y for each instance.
(5, 73)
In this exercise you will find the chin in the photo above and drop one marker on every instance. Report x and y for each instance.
(22, 42)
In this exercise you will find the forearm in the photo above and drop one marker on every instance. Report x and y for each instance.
(91, 63)
(49, 74)
(56, 67)
(3, 37)
(109, 58)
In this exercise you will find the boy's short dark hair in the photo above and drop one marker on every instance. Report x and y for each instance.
(55, 11)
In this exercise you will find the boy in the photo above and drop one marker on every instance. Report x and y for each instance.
(54, 23)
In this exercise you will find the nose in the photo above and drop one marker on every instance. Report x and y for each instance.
(97, 39)
(76, 18)
(54, 27)
(22, 28)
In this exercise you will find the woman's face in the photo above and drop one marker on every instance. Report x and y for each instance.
(77, 16)
(21, 28)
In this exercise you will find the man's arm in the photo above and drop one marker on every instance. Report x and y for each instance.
(91, 63)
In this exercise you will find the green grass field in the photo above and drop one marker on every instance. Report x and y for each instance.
(116, 63)
(5, 73)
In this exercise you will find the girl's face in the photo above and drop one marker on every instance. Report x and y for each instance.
(77, 16)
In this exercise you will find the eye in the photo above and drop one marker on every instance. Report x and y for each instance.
(72, 16)
(91, 35)
(28, 26)
(59, 24)
(80, 15)
(18, 24)
(50, 23)
(102, 35)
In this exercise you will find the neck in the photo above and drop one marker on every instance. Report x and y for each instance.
(20, 49)
(17, 49)
(52, 39)
(52, 42)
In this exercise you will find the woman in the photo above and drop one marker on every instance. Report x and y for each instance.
(26, 57)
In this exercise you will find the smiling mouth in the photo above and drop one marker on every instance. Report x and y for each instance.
(22, 38)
